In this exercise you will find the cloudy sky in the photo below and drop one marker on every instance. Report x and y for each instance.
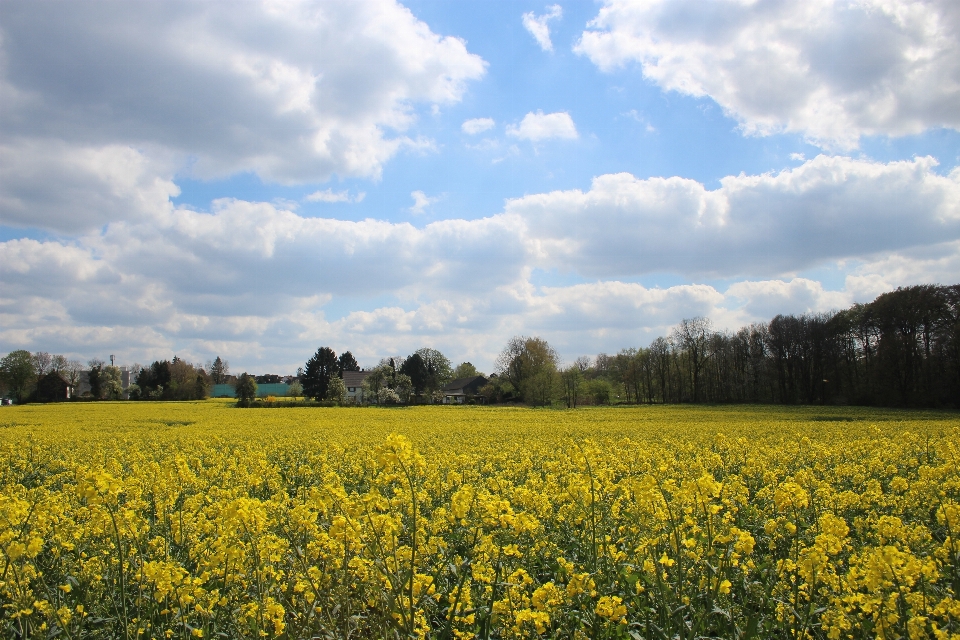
(254, 180)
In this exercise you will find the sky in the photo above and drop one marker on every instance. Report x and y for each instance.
(255, 180)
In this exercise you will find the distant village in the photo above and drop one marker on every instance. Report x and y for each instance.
(424, 377)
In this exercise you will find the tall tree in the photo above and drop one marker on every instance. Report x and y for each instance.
(94, 377)
(41, 363)
(17, 370)
(510, 363)
(572, 381)
(346, 362)
(693, 337)
(219, 371)
(246, 389)
(416, 369)
(439, 369)
(72, 372)
(317, 373)
(530, 365)
(58, 363)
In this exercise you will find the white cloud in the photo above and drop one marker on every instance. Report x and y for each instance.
(420, 202)
(264, 286)
(295, 92)
(834, 70)
(828, 208)
(329, 195)
(764, 299)
(539, 126)
(538, 27)
(53, 185)
(477, 125)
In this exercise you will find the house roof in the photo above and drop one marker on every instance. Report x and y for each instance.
(354, 378)
(463, 383)
(53, 375)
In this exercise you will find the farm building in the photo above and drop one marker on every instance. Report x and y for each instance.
(464, 390)
(53, 388)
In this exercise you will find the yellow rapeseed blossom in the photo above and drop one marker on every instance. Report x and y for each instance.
(176, 520)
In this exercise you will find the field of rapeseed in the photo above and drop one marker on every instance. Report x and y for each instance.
(200, 520)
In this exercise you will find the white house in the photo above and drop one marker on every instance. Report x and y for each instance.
(353, 381)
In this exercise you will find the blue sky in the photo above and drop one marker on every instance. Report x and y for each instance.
(257, 180)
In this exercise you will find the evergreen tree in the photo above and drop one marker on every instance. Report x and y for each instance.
(347, 362)
(317, 373)
(219, 371)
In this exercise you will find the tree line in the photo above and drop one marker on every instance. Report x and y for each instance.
(902, 349)
(21, 371)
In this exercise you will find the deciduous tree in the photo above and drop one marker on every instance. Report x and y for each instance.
(246, 389)
(17, 370)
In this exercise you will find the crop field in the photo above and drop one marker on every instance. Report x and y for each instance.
(180, 520)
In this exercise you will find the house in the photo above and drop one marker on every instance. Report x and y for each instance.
(464, 390)
(53, 388)
(353, 382)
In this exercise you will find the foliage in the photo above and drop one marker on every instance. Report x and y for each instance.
(415, 368)
(295, 390)
(17, 372)
(246, 389)
(902, 349)
(110, 382)
(439, 370)
(336, 391)
(403, 387)
(530, 365)
(172, 380)
(465, 370)
(219, 371)
(319, 369)
(94, 378)
(346, 362)
(572, 385)
(497, 390)
(192, 520)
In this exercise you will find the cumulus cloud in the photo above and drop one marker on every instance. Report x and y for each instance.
(828, 208)
(833, 71)
(538, 27)
(258, 283)
(133, 94)
(765, 299)
(53, 185)
(477, 125)
(539, 126)
(329, 195)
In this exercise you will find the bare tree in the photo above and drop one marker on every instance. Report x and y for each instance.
(693, 337)
(510, 364)
(572, 381)
(41, 363)
(58, 363)
(72, 372)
